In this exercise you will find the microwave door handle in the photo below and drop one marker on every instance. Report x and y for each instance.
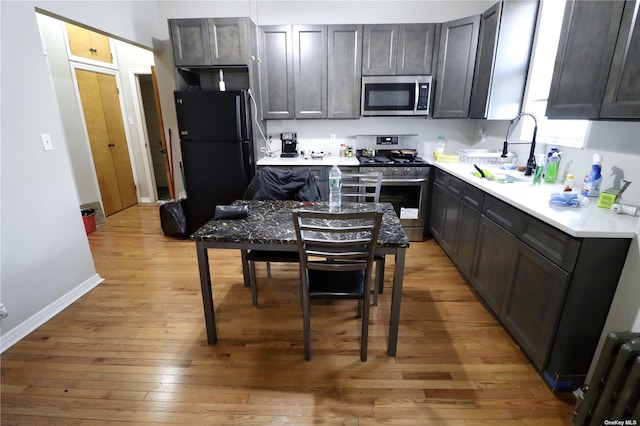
(417, 96)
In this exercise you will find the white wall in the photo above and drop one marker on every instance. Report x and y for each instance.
(45, 257)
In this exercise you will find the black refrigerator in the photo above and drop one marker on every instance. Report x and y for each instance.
(217, 150)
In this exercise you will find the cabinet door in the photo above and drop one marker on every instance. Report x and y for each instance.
(456, 62)
(379, 50)
(276, 72)
(88, 44)
(534, 302)
(504, 49)
(466, 235)
(449, 228)
(344, 71)
(622, 94)
(493, 262)
(310, 70)
(585, 50)
(487, 45)
(190, 39)
(415, 49)
(228, 41)
(438, 210)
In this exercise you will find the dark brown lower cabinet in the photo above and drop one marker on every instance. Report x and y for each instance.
(493, 263)
(533, 302)
(551, 291)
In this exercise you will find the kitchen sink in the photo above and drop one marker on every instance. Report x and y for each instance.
(507, 176)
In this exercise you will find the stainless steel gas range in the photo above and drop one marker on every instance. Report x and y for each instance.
(405, 184)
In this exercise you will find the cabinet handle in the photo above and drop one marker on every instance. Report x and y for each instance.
(92, 50)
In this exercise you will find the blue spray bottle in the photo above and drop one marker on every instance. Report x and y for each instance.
(593, 180)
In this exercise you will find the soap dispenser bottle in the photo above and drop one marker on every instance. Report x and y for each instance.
(537, 177)
(551, 173)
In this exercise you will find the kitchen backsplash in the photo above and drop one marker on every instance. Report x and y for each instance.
(617, 142)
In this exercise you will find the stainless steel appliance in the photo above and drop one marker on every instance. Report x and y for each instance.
(289, 145)
(217, 150)
(396, 95)
(405, 184)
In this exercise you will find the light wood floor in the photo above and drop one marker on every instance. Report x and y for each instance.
(134, 349)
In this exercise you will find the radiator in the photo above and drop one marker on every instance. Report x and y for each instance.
(614, 393)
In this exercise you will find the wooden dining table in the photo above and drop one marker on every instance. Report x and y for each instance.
(269, 226)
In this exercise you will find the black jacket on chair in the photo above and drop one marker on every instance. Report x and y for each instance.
(276, 184)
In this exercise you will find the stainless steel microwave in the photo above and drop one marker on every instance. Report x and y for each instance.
(396, 95)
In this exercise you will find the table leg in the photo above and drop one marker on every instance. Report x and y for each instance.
(396, 296)
(207, 295)
(245, 267)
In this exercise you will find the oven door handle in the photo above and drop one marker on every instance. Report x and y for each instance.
(392, 181)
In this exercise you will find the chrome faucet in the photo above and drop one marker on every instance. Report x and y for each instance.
(531, 161)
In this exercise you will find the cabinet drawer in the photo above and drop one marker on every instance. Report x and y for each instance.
(456, 186)
(442, 178)
(473, 196)
(503, 214)
(555, 245)
(462, 190)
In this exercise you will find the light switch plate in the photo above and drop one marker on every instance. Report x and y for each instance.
(47, 145)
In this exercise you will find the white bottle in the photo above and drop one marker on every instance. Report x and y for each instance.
(335, 187)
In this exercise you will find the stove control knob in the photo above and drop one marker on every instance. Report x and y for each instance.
(395, 171)
(407, 170)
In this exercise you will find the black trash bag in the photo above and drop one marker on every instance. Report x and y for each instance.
(173, 219)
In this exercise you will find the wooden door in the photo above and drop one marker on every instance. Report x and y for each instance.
(88, 44)
(103, 118)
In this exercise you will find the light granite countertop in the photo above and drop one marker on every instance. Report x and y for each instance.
(587, 221)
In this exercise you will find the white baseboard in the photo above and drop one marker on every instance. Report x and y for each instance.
(145, 200)
(23, 329)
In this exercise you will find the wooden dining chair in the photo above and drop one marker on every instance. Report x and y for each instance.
(365, 187)
(336, 258)
(354, 189)
(276, 184)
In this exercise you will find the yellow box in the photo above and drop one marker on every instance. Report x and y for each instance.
(447, 158)
(607, 199)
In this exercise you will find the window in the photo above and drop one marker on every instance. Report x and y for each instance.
(569, 133)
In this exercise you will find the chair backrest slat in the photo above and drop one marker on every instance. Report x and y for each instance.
(341, 239)
(356, 186)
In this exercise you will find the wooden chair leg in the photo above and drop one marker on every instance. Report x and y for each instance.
(381, 262)
(364, 336)
(253, 283)
(306, 319)
(379, 283)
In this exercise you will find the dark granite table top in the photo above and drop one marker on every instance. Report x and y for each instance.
(270, 222)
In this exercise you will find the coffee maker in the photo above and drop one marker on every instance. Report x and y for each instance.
(289, 145)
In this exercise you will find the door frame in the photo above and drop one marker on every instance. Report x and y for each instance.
(142, 130)
(86, 67)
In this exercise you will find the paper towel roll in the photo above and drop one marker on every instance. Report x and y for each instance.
(624, 209)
